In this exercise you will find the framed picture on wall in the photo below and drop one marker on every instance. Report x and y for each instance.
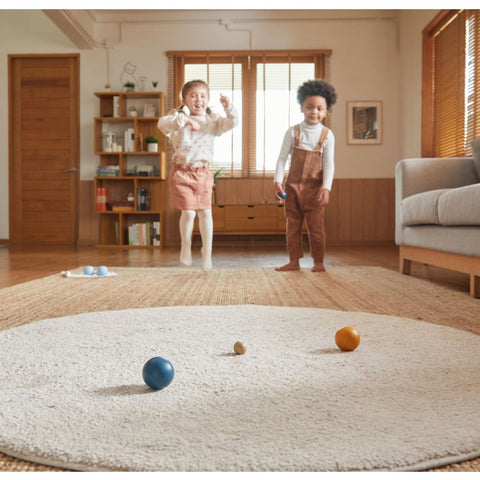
(149, 110)
(364, 123)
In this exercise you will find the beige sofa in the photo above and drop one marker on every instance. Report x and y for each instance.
(437, 216)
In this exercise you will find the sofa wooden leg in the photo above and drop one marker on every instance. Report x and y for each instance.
(474, 285)
(405, 266)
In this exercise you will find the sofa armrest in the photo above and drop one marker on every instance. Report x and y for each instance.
(416, 175)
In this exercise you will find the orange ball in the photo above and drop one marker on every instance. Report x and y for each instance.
(347, 338)
(240, 348)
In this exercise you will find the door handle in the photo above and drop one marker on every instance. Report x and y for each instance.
(70, 170)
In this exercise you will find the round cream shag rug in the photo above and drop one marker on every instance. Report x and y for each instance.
(72, 393)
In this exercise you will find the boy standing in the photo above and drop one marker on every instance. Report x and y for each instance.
(311, 147)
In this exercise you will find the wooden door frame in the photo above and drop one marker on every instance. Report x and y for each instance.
(75, 131)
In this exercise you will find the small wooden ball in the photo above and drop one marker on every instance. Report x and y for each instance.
(347, 339)
(240, 348)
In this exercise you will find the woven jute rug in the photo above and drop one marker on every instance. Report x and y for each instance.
(361, 289)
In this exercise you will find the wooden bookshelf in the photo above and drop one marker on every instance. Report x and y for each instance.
(129, 187)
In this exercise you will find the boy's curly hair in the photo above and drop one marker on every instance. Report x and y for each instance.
(312, 88)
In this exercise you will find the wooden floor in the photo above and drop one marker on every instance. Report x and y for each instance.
(21, 264)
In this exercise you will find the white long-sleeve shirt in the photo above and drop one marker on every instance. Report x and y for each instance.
(195, 147)
(308, 140)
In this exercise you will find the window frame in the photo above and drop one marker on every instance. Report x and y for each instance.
(248, 59)
(460, 146)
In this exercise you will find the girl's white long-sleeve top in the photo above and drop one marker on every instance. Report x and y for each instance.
(309, 135)
(195, 147)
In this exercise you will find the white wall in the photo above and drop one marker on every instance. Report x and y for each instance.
(374, 58)
(411, 25)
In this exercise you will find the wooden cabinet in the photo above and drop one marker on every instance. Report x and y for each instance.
(130, 183)
(260, 219)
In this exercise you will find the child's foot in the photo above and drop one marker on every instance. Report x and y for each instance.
(186, 257)
(206, 262)
(292, 265)
(318, 267)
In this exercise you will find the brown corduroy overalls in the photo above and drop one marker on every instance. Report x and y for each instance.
(303, 185)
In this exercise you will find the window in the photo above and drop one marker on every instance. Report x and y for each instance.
(451, 95)
(262, 86)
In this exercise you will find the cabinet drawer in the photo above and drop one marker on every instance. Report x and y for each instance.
(250, 223)
(251, 210)
(218, 214)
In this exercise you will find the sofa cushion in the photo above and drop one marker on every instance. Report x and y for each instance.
(422, 208)
(476, 154)
(460, 206)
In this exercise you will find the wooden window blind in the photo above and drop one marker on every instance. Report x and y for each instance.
(472, 96)
(262, 86)
(451, 93)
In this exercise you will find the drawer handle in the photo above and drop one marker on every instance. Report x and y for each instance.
(251, 218)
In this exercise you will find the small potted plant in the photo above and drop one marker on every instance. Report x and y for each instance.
(107, 87)
(129, 86)
(155, 85)
(152, 143)
(215, 176)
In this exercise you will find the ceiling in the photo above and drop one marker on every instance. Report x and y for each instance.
(89, 29)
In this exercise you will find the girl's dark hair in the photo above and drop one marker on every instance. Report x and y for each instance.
(195, 83)
(313, 88)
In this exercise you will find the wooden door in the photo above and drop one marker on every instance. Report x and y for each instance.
(44, 148)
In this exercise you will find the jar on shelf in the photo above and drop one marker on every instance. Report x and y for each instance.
(108, 141)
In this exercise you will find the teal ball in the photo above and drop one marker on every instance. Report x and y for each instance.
(88, 270)
(102, 271)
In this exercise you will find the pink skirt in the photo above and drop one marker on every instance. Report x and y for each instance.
(190, 188)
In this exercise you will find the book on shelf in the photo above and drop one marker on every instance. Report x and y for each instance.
(129, 137)
(101, 199)
(108, 171)
(144, 234)
(116, 104)
(143, 199)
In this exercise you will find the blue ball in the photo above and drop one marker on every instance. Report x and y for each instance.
(102, 271)
(158, 373)
(88, 270)
(282, 195)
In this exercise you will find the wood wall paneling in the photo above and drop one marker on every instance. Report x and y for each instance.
(361, 211)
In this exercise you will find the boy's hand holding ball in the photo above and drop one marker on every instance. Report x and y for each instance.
(279, 193)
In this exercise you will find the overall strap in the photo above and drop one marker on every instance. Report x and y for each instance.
(322, 138)
(296, 135)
